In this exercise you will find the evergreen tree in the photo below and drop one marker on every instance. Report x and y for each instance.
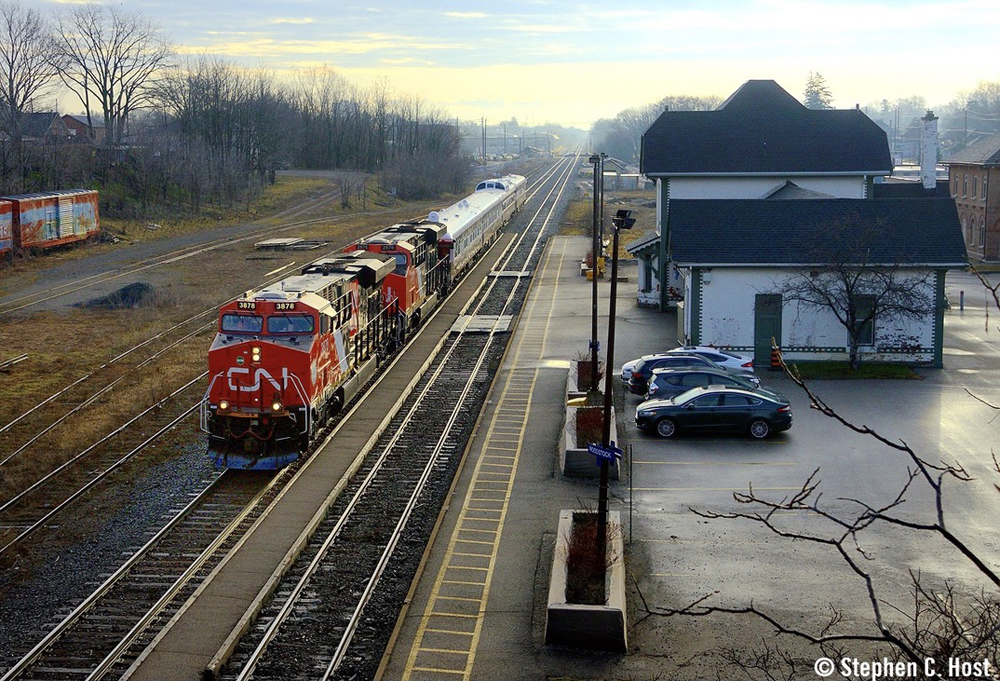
(817, 94)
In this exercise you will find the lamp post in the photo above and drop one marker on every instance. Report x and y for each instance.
(622, 220)
(594, 343)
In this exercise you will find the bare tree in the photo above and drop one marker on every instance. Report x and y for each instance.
(847, 278)
(26, 74)
(110, 59)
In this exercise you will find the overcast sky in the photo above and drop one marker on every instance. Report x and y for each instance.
(573, 62)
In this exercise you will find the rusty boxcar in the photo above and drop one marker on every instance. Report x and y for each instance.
(6, 230)
(49, 219)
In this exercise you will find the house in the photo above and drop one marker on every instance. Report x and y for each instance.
(741, 193)
(81, 130)
(974, 177)
(737, 257)
(757, 140)
(42, 127)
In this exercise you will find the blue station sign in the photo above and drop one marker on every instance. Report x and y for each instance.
(609, 453)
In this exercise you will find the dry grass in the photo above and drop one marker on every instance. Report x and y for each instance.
(64, 345)
(579, 216)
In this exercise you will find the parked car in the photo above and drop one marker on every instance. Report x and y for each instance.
(716, 408)
(731, 361)
(642, 371)
(667, 382)
(727, 359)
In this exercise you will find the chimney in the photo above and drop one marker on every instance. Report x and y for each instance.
(928, 151)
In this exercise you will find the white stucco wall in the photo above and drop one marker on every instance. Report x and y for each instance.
(844, 187)
(727, 320)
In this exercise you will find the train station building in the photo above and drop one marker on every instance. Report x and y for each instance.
(748, 197)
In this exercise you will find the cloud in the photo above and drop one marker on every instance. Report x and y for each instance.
(466, 15)
(289, 20)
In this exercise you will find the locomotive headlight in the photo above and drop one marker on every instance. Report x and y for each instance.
(276, 405)
(223, 405)
(255, 353)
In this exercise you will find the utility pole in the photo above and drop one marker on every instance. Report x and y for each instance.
(623, 220)
(594, 343)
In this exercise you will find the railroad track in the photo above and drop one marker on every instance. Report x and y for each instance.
(111, 662)
(150, 586)
(332, 616)
(56, 492)
(17, 303)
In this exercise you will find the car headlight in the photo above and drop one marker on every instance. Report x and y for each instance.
(643, 414)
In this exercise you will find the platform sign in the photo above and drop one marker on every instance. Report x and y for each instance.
(609, 453)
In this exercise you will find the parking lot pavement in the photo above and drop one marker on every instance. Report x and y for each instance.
(680, 556)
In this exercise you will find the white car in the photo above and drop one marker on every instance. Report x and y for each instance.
(733, 361)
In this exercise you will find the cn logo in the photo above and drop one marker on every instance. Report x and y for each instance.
(258, 374)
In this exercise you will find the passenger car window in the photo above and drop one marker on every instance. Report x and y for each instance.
(695, 380)
(708, 400)
(737, 400)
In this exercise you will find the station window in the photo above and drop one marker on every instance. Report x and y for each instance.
(975, 186)
(965, 186)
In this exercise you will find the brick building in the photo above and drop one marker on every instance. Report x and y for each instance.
(974, 179)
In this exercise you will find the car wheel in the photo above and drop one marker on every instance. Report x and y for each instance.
(666, 427)
(759, 429)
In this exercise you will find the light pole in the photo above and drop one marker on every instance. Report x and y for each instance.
(594, 343)
(622, 220)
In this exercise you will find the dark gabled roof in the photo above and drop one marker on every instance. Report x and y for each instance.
(763, 129)
(984, 152)
(790, 190)
(909, 189)
(38, 124)
(718, 232)
(640, 245)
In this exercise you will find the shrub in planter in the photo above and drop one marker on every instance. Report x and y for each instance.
(589, 425)
(584, 567)
(583, 375)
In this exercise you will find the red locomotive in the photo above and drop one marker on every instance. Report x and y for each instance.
(288, 356)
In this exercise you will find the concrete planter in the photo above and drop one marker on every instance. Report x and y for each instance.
(576, 462)
(597, 627)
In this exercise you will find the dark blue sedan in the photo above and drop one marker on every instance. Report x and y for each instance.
(717, 408)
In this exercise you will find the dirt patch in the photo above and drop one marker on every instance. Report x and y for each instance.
(128, 297)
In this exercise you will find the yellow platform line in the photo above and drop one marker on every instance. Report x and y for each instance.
(509, 389)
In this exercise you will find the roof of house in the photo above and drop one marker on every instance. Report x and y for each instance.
(983, 152)
(641, 245)
(38, 124)
(892, 188)
(95, 121)
(790, 190)
(719, 232)
(761, 129)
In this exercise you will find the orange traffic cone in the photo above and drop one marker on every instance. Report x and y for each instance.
(775, 359)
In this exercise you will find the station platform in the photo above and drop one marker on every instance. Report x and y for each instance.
(477, 609)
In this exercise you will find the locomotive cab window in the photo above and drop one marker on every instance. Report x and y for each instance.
(242, 323)
(290, 323)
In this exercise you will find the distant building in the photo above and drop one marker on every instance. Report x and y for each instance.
(82, 131)
(42, 127)
(974, 177)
